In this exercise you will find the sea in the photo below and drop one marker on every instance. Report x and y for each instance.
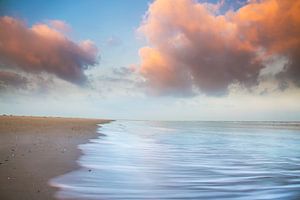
(187, 160)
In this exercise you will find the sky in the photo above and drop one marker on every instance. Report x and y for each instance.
(151, 60)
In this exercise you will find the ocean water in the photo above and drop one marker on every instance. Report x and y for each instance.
(187, 160)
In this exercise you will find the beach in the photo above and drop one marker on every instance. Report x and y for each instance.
(35, 149)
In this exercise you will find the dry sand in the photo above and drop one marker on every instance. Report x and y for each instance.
(36, 149)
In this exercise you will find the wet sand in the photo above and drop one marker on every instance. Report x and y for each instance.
(36, 149)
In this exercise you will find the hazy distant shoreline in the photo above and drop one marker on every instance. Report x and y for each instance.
(35, 149)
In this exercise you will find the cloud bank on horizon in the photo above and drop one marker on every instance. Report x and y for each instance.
(42, 48)
(192, 46)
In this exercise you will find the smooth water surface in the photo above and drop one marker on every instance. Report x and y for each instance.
(188, 160)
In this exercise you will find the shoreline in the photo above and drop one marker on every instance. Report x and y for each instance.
(35, 149)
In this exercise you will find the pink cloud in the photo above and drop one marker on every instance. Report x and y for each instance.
(191, 46)
(60, 25)
(43, 49)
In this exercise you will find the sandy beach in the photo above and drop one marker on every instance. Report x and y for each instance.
(36, 149)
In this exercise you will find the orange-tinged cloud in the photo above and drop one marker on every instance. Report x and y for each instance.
(60, 25)
(43, 49)
(191, 46)
(163, 73)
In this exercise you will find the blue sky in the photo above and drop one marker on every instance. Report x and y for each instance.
(113, 90)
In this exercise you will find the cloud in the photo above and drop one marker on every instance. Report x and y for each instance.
(193, 47)
(113, 41)
(11, 79)
(60, 25)
(41, 49)
(115, 81)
